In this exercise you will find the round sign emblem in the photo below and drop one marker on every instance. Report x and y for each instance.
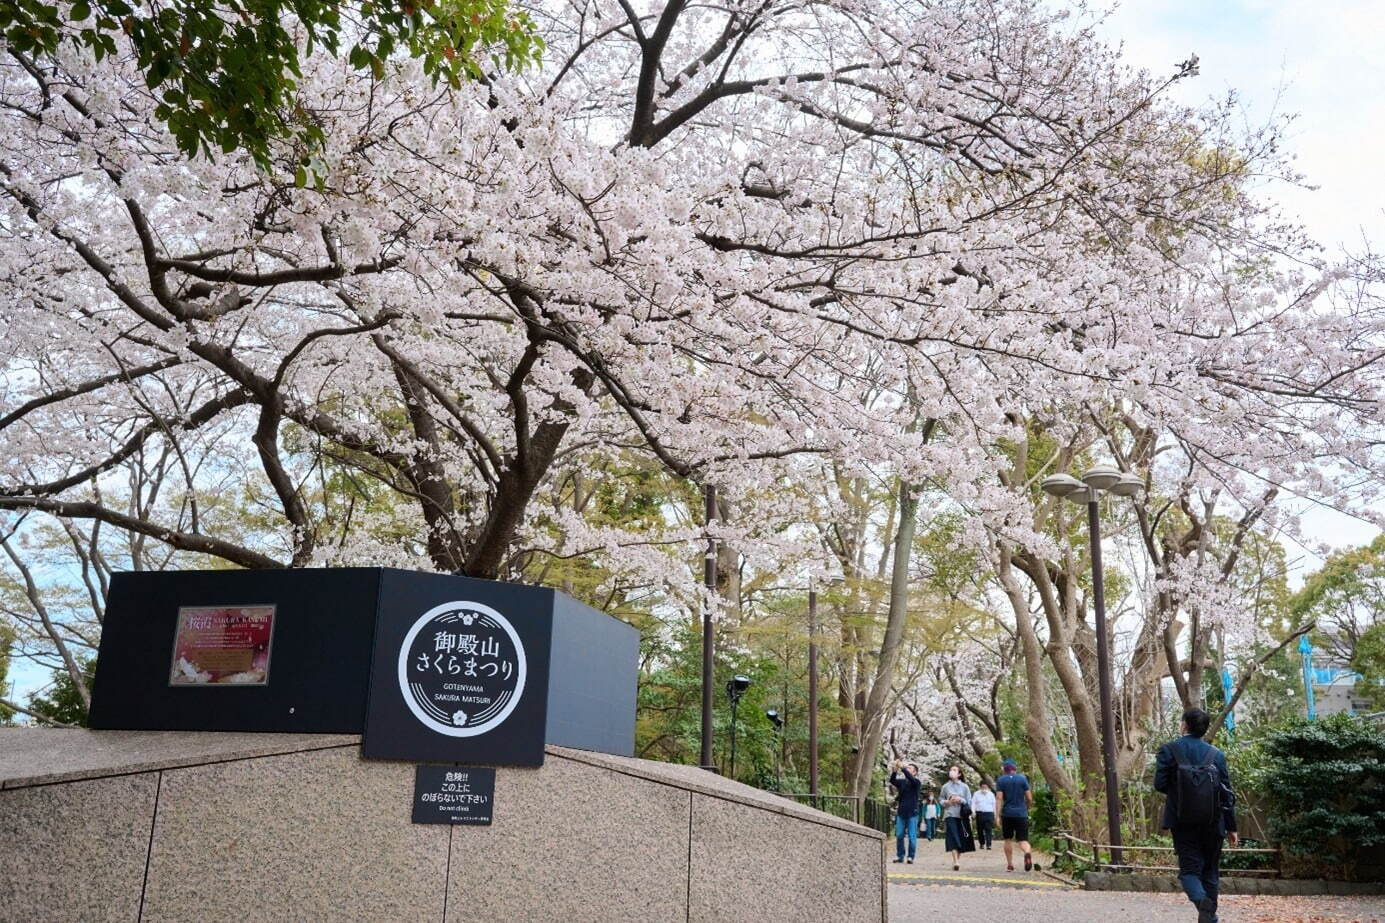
(461, 669)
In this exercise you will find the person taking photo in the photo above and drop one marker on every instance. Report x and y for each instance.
(905, 780)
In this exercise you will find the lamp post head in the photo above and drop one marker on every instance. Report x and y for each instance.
(773, 715)
(1128, 486)
(737, 685)
(1061, 485)
(1101, 477)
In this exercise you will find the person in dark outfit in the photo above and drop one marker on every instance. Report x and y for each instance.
(1198, 846)
(905, 779)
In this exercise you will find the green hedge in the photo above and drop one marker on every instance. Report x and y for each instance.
(1325, 783)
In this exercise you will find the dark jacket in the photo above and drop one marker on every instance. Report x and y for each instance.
(908, 787)
(1191, 751)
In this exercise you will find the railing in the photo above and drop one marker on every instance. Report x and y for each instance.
(868, 812)
(1066, 849)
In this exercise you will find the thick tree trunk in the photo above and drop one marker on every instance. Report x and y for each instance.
(1075, 688)
(878, 701)
(1038, 726)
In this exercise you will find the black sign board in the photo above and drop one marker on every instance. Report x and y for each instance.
(453, 795)
(460, 671)
(153, 673)
(433, 668)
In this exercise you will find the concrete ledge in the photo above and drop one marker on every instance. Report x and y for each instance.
(1233, 884)
(42, 756)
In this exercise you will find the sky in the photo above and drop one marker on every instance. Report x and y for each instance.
(1321, 62)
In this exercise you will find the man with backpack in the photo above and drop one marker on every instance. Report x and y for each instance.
(1199, 809)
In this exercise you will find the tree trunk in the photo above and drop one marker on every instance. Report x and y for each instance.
(878, 701)
(1038, 726)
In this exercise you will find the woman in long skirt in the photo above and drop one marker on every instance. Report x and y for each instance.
(955, 794)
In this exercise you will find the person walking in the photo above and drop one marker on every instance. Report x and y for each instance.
(931, 812)
(1199, 810)
(957, 832)
(905, 779)
(1014, 797)
(983, 806)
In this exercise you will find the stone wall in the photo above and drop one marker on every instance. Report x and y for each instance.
(179, 826)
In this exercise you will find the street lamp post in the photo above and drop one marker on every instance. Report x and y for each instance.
(1088, 491)
(778, 721)
(735, 688)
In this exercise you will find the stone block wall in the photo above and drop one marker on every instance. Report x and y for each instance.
(174, 826)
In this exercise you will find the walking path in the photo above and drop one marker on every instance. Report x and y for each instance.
(985, 867)
(929, 891)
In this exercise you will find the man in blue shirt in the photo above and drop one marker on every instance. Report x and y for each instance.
(1198, 845)
(1013, 797)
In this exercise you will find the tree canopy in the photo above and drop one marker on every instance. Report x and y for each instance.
(225, 76)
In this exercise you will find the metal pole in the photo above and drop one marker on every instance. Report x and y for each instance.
(709, 577)
(1103, 667)
(813, 694)
(1306, 648)
(735, 706)
(779, 761)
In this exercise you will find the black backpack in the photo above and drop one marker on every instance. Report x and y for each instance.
(1199, 792)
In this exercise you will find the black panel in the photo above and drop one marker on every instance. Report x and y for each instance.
(324, 623)
(394, 730)
(591, 695)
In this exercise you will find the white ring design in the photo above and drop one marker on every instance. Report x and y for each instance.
(424, 716)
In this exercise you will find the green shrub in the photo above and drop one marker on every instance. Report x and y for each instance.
(1043, 816)
(1326, 782)
(1233, 860)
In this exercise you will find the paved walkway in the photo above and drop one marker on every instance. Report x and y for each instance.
(933, 866)
(930, 892)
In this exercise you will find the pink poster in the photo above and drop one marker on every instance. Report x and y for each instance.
(222, 644)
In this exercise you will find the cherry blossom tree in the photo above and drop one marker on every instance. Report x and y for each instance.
(743, 241)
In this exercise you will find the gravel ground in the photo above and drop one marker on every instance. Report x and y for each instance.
(925, 902)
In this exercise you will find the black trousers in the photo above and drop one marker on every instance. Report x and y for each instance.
(985, 823)
(1199, 863)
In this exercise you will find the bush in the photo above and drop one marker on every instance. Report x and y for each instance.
(1232, 860)
(1326, 782)
(1043, 817)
